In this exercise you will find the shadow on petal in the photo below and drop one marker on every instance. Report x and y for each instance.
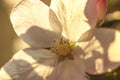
(68, 70)
(99, 50)
(29, 64)
(20, 72)
(38, 37)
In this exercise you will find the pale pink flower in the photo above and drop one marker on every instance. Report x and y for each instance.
(64, 43)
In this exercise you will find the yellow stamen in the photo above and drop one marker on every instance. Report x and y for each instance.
(63, 49)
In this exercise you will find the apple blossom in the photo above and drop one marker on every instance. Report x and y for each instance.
(64, 43)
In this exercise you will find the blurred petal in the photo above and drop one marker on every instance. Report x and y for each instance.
(86, 36)
(35, 23)
(29, 64)
(69, 70)
(103, 51)
(101, 8)
(76, 16)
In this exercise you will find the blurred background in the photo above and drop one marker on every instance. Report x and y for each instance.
(10, 43)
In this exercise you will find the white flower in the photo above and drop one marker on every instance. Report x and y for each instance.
(64, 43)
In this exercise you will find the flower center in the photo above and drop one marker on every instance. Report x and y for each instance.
(63, 49)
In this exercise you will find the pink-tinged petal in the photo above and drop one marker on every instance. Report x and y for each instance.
(101, 9)
(29, 64)
(102, 52)
(35, 23)
(69, 70)
(76, 16)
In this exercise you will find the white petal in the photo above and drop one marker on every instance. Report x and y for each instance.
(69, 70)
(103, 51)
(76, 16)
(29, 64)
(35, 23)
